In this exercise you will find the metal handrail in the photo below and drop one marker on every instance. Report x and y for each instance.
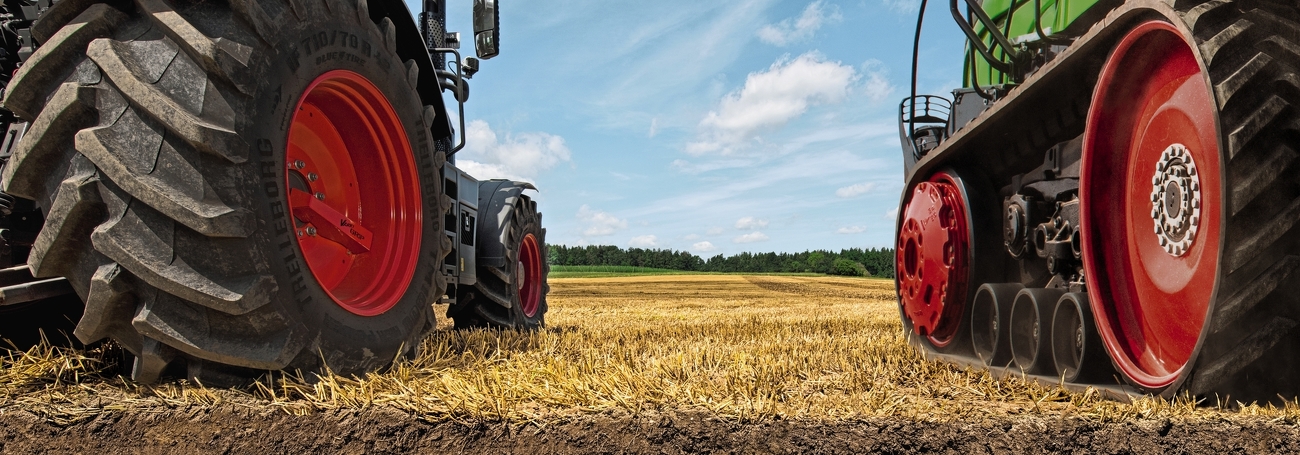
(976, 42)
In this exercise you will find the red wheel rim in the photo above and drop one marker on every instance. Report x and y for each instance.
(354, 192)
(932, 257)
(1150, 304)
(530, 275)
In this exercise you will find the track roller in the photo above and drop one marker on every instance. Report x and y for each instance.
(1030, 341)
(990, 318)
(1076, 348)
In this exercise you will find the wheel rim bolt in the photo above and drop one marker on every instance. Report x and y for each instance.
(311, 176)
(320, 196)
(311, 231)
(299, 164)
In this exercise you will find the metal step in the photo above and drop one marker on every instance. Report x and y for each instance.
(18, 286)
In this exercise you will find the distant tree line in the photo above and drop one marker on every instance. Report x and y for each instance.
(850, 262)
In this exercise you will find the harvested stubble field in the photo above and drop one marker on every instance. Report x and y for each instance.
(664, 363)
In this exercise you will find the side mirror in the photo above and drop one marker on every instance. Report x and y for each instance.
(487, 29)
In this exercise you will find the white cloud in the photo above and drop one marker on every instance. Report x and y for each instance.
(800, 28)
(636, 41)
(751, 237)
(654, 127)
(902, 6)
(643, 241)
(851, 230)
(770, 99)
(691, 237)
(892, 214)
(877, 86)
(599, 223)
(517, 157)
(715, 231)
(856, 190)
(750, 223)
(703, 247)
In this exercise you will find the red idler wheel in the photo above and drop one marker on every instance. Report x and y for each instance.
(1150, 193)
(933, 258)
(354, 193)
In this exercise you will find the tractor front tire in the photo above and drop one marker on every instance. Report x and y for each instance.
(510, 295)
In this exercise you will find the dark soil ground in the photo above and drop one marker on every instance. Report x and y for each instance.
(240, 430)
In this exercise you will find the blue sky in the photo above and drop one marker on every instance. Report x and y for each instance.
(712, 127)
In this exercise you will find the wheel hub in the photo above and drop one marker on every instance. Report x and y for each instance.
(932, 259)
(1176, 200)
(354, 193)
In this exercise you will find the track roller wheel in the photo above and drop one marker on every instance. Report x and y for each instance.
(933, 258)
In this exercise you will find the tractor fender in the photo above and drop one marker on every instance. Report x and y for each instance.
(411, 46)
(496, 199)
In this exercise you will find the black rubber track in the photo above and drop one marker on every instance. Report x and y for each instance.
(156, 151)
(1250, 347)
(493, 302)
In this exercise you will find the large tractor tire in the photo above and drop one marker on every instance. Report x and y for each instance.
(1190, 202)
(242, 186)
(509, 294)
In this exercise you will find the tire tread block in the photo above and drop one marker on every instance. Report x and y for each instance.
(46, 146)
(201, 134)
(76, 210)
(142, 242)
(25, 94)
(110, 306)
(219, 56)
(209, 335)
(164, 187)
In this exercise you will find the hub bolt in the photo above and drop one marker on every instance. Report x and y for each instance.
(311, 176)
(320, 196)
(299, 164)
(311, 231)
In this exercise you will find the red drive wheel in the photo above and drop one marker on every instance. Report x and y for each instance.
(1150, 193)
(354, 193)
(530, 275)
(933, 257)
